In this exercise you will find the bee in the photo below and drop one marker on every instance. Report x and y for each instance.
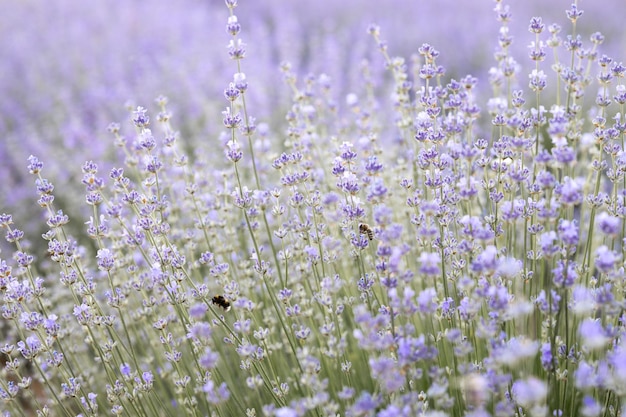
(222, 302)
(365, 229)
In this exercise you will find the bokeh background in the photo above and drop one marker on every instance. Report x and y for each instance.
(68, 68)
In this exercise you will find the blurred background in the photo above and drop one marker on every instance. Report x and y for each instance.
(71, 67)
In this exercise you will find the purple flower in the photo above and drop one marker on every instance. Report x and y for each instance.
(83, 314)
(51, 325)
(353, 212)
(360, 241)
(411, 350)
(570, 191)
(346, 152)
(536, 25)
(198, 310)
(515, 350)
(549, 243)
(72, 388)
(372, 166)
(608, 224)
(106, 261)
(605, 259)
(470, 224)
(231, 121)
(564, 154)
(487, 260)
(286, 412)
(387, 373)
(140, 118)
(125, 369)
(543, 303)
(330, 198)
(617, 361)
(34, 165)
(583, 300)
(429, 263)
(592, 334)
(565, 277)
(236, 49)
(231, 93)
(537, 78)
(147, 379)
(55, 360)
(585, 376)
(509, 267)
(209, 359)
(512, 210)
(346, 393)
(498, 298)
(383, 215)
(573, 13)
(364, 405)
(349, 183)
(545, 179)
(31, 348)
(233, 151)
(546, 357)
(14, 235)
(590, 407)
(200, 330)
(426, 301)
(529, 392)
(216, 395)
(604, 295)
(338, 168)
(31, 320)
(568, 232)
(391, 411)
(376, 190)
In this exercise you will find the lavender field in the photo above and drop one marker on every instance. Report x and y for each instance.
(274, 208)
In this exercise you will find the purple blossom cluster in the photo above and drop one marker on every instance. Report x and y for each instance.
(368, 248)
(69, 68)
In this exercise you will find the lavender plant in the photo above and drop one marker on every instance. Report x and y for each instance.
(70, 67)
(445, 257)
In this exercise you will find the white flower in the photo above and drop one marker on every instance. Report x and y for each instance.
(352, 99)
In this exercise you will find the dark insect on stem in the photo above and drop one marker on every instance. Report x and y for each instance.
(221, 301)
